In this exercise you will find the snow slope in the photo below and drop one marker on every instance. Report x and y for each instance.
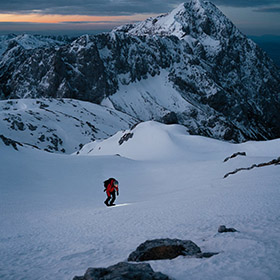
(54, 225)
(148, 99)
(59, 125)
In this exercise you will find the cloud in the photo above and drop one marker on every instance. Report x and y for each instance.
(245, 3)
(252, 16)
(268, 10)
(85, 22)
(87, 7)
(94, 22)
(54, 28)
(114, 7)
(6, 23)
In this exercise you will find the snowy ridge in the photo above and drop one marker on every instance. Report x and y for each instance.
(156, 141)
(59, 125)
(148, 140)
(164, 25)
(196, 22)
(188, 20)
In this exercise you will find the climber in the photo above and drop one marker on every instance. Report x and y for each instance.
(111, 187)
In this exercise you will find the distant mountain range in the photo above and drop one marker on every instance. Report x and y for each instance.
(28, 42)
(191, 66)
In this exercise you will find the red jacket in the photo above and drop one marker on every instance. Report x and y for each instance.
(111, 187)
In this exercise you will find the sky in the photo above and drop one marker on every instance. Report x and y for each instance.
(74, 17)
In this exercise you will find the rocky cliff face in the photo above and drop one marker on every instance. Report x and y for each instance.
(192, 64)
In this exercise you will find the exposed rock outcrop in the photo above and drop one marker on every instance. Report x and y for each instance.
(125, 137)
(235, 155)
(10, 142)
(123, 271)
(159, 249)
(272, 162)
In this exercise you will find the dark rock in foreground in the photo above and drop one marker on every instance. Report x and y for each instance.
(123, 271)
(159, 249)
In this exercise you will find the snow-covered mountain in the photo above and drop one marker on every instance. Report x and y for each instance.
(62, 126)
(54, 224)
(191, 66)
(189, 21)
(28, 41)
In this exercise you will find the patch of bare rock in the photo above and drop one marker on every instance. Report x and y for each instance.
(272, 162)
(157, 249)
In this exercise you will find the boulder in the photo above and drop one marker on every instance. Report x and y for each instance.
(159, 249)
(223, 228)
(123, 271)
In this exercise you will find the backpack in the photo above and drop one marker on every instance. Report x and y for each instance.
(107, 182)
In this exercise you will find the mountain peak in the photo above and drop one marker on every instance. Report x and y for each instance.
(194, 18)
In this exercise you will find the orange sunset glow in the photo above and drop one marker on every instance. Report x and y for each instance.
(39, 18)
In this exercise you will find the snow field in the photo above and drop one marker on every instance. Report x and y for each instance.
(53, 223)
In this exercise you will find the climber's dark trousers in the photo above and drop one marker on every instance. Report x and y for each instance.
(112, 198)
